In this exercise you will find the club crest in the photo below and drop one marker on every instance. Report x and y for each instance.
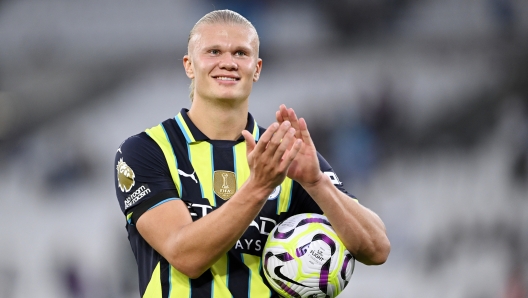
(275, 193)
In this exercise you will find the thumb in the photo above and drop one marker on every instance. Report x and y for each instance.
(250, 141)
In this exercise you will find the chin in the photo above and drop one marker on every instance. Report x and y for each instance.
(231, 97)
(227, 96)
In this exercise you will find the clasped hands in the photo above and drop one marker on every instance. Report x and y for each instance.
(285, 149)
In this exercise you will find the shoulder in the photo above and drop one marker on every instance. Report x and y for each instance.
(144, 141)
(139, 144)
(141, 152)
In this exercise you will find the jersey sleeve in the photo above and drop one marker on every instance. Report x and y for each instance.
(329, 171)
(142, 177)
(303, 203)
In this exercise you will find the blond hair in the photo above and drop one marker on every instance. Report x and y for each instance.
(224, 16)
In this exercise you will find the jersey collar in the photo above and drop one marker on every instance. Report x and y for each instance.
(193, 134)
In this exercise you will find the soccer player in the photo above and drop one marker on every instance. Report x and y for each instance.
(201, 191)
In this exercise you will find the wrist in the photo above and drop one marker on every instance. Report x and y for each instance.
(321, 189)
(256, 191)
(320, 179)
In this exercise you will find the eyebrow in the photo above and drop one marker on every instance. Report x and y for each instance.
(237, 48)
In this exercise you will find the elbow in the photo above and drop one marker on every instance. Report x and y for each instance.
(187, 267)
(381, 253)
(378, 253)
(192, 273)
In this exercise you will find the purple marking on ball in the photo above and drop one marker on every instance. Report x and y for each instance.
(323, 277)
(284, 256)
(312, 219)
(288, 289)
(326, 240)
(266, 257)
(279, 235)
(346, 261)
(300, 251)
(348, 258)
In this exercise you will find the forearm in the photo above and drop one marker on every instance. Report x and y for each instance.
(360, 229)
(198, 245)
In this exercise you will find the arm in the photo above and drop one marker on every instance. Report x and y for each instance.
(360, 229)
(193, 247)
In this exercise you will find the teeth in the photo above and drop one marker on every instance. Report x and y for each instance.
(225, 79)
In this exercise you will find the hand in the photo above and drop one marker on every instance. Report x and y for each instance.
(305, 166)
(270, 159)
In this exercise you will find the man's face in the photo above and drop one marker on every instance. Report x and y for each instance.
(223, 61)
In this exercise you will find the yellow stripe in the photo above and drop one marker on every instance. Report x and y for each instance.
(180, 284)
(185, 127)
(219, 271)
(158, 134)
(242, 173)
(202, 161)
(255, 130)
(285, 196)
(242, 167)
(154, 286)
(257, 288)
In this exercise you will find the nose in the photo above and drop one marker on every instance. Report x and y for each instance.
(227, 62)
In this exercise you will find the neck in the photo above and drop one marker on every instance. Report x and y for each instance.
(219, 122)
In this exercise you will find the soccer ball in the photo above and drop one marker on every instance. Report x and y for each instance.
(303, 257)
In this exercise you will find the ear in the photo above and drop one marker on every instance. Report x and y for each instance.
(256, 75)
(187, 64)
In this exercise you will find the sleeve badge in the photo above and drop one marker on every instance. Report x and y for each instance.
(125, 176)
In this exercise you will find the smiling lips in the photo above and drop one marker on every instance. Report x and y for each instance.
(221, 78)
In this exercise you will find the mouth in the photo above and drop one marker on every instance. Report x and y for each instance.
(222, 78)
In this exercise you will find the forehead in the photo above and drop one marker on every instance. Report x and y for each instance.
(223, 34)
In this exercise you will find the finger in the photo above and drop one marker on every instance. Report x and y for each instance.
(284, 145)
(305, 134)
(292, 153)
(277, 137)
(292, 117)
(289, 115)
(266, 137)
(250, 141)
(278, 116)
(284, 112)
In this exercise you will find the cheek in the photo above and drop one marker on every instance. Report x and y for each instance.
(251, 69)
(202, 68)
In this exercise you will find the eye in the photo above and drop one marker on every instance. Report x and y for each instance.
(240, 53)
(214, 52)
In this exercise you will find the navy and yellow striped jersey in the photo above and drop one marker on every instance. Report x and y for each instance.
(176, 161)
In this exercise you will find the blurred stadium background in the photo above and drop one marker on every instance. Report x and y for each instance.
(420, 106)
